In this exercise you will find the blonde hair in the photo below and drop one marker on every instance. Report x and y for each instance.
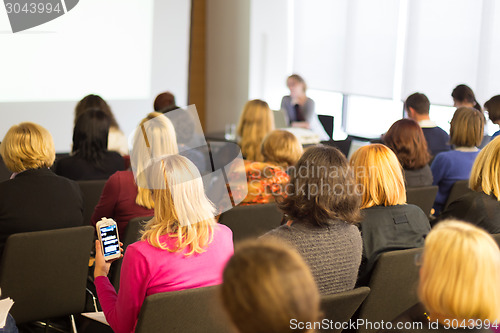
(27, 146)
(256, 121)
(182, 210)
(485, 173)
(460, 273)
(265, 285)
(379, 173)
(467, 127)
(152, 139)
(282, 148)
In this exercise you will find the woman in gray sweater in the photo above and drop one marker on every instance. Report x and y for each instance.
(322, 206)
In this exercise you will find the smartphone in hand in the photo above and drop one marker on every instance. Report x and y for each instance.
(107, 231)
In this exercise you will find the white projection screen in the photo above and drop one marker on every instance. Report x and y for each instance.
(127, 51)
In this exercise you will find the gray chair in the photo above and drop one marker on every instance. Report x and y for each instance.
(422, 197)
(460, 188)
(91, 190)
(251, 221)
(193, 310)
(45, 273)
(393, 286)
(132, 234)
(339, 308)
(497, 238)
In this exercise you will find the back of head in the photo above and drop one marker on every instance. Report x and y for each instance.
(322, 188)
(463, 94)
(27, 146)
(95, 102)
(266, 285)
(90, 135)
(467, 127)
(182, 210)
(256, 121)
(485, 173)
(164, 102)
(418, 102)
(380, 176)
(460, 273)
(282, 148)
(493, 108)
(155, 137)
(407, 140)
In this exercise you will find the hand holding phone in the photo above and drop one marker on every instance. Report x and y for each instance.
(107, 231)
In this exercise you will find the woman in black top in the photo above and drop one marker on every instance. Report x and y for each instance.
(90, 158)
(481, 206)
(407, 140)
(35, 199)
(388, 223)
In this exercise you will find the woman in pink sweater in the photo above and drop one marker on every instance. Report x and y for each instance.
(182, 247)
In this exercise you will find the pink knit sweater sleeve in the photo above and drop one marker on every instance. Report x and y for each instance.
(122, 310)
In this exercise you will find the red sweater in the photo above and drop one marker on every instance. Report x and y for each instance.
(118, 201)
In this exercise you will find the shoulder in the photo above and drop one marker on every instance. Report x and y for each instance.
(283, 231)
(223, 230)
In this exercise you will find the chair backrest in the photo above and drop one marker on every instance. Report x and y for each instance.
(458, 189)
(132, 235)
(92, 190)
(393, 286)
(327, 123)
(4, 172)
(497, 238)
(251, 221)
(192, 310)
(339, 308)
(422, 197)
(45, 272)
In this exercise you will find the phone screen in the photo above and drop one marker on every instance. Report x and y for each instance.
(109, 237)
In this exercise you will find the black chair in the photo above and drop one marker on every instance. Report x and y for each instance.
(251, 221)
(339, 308)
(92, 190)
(422, 197)
(497, 238)
(460, 188)
(4, 172)
(192, 310)
(45, 273)
(327, 123)
(393, 286)
(132, 234)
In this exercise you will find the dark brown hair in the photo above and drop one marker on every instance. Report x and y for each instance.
(164, 102)
(463, 93)
(265, 285)
(493, 107)
(467, 127)
(407, 140)
(322, 188)
(418, 102)
(95, 102)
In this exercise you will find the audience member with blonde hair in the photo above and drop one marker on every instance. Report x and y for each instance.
(466, 134)
(267, 286)
(182, 247)
(121, 198)
(256, 121)
(388, 222)
(481, 206)
(459, 287)
(117, 141)
(322, 208)
(35, 198)
(267, 180)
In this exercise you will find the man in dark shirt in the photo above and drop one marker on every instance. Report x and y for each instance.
(417, 107)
